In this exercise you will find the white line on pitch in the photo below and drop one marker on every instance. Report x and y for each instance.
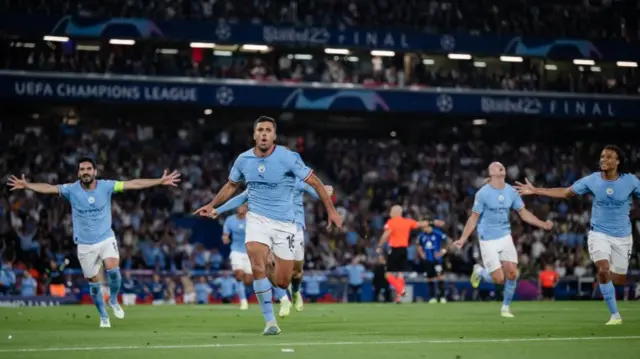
(303, 344)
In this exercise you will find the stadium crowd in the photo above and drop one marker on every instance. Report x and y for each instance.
(430, 180)
(560, 18)
(284, 66)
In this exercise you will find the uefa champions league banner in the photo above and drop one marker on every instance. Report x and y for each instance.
(30, 86)
(320, 36)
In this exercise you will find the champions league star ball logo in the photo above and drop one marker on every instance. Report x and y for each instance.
(224, 95)
(448, 42)
(444, 103)
(91, 200)
(609, 191)
(223, 31)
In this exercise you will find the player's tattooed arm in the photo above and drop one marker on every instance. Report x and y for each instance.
(16, 183)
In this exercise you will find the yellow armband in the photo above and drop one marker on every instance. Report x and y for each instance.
(118, 186)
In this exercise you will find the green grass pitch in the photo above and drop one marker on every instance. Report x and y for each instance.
(546, 330)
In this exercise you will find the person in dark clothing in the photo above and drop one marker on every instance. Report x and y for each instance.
(380, 282)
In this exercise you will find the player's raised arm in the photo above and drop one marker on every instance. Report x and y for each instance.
(527, 216)
(301, 171)
(16, 183)
(527, 189)
(232, 204)
(472, 222)
(167, 179)
(229, 188)
(533, 220)
(312, 192)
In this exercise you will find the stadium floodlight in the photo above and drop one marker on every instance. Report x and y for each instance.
(595, 69)
(511, 59)
(550, 67)
(302, 57)
(56, 38)
(459, 56)
(480, 64)
(584, 62)
(627, 64)
(479, 122)
(222, 53)
(383, 53)
(331, 51)
(202, 45)
(127, 42)
(251, 47)
(81, 47)
(428, 61)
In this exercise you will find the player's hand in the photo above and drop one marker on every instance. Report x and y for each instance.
(459, 243)
(438, 223)
(170, 179)
(204, 211)
(548, 225)
(16, 183)
(214, 213)
(525, 189)
(329, 190)
(334, 219)
(226, 241)
(379, 250)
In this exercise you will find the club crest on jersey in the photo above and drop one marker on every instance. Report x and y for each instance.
(501, 198)
(261, 168)
(91, 200)
(609, 191)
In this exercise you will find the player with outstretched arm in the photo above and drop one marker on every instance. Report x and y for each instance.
(90, 200)
(490, 213)
(610, 240)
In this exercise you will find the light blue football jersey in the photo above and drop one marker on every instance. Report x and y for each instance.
(298, 200)
(270, 182)
(611, 202)
(90, 210)
(236, 228)
(494, 206)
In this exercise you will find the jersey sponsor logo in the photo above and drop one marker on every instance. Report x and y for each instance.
(262, 186)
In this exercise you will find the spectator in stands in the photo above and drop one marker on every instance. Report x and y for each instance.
(203, 290)
(226, 287)
(7, 279)
(188, 290)
(356, 274)
(28, 285)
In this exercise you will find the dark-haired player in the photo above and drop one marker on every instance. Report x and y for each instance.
(268, 170)
(90, 201)
(432, 246)
(609, 238)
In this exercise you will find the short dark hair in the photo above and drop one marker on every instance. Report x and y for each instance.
(83, 160)
(262, 119)
(622, 167)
